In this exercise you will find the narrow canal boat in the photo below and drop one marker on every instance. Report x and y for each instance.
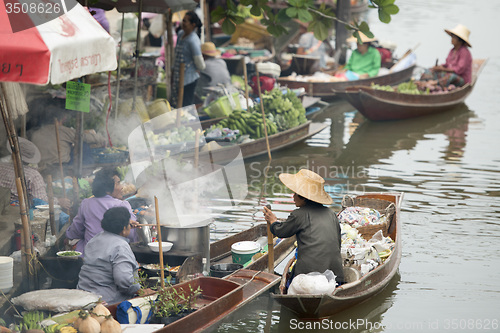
(355, 291)
(380, 105)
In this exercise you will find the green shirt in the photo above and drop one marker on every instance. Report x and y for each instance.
(368, 63)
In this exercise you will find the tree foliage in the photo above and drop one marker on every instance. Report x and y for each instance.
(320, 18)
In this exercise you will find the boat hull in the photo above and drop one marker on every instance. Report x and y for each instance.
(353, 293)
(380, 105)
(328, 89)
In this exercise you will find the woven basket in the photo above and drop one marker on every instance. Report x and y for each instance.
(384, 207)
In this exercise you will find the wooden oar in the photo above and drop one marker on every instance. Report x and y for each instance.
(160, 248)
(263, 116)
(270, 247)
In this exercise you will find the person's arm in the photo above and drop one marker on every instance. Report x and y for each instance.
(376, 63)
(285, 229)
(124, 268)
(77, 228)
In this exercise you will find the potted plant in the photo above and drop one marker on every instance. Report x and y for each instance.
(174, 303)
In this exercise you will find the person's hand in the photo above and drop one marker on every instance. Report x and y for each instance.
(269, 215)
(134, 224)
(364, 76)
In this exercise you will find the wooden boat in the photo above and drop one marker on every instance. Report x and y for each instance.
(219, 297)
(228, 151)
(220, 252)
(329, 89)
(379, 105)
(357, 291)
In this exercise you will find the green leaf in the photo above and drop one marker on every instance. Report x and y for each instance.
(218, 14)
(238, 19)
(294, 3)
(391, 9)
(228, 27)
(231, 6)
(304, 15)
(291, 12)
(282, 16)
(320, 31)
(383, 16)
(255, 11)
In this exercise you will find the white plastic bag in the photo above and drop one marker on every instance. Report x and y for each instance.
(314, 283)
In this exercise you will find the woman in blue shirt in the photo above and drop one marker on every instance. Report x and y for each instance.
(188, 52)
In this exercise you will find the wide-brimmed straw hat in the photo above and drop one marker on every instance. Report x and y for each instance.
(307, 184)
(29, 152)
(209, 49)
(460, 31)
(364, 38)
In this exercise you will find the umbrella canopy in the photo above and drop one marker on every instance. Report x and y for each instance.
(151, 6)
(67, 47)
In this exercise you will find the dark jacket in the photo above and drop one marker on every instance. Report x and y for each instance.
(318, 237)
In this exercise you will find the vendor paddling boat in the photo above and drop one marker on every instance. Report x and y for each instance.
(380, 105)
(357, 289)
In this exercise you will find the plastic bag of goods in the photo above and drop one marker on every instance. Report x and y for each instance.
(314, 283)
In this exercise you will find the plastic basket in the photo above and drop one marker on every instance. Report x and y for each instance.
(222, 107)
(383, 206)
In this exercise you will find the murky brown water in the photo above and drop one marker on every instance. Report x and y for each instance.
(448, 167)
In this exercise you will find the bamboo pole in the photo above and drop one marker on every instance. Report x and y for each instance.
(60, 158)
(245, 75)
(180, 95)
(263, 116)
(50, 192)
(28, 256)
(168, 46)
(158, 237)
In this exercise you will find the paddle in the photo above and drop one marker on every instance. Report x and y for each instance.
(270, 246)
(407, 53)
(160, 248)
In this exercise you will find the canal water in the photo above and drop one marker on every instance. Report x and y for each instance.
(448, 167)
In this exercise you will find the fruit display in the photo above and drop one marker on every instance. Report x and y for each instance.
(286, 108)
(283, 111)
(250, 123)
(416, 87)
(172, 136)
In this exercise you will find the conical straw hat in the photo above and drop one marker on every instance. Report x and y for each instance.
(308, 184)
(364, 38)
(460, 31)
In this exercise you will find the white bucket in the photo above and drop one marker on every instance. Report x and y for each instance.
(6, 274)
(244, 251)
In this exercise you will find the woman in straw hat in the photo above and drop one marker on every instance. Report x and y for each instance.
(316, 227)
(365, 61)
(457, 69)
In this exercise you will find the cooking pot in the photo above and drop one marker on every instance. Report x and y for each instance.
(188, 241)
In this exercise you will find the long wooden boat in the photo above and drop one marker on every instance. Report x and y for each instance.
(355, 292)
(326, 89)
(228, 152)
(380, 105)
(220, 252)
(219, 297)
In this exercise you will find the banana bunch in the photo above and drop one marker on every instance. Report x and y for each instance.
(59, 328)
(250, 123)
(31, 320)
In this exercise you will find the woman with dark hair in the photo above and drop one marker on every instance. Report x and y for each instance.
(110, 268)
(187, 52)
(106, 189)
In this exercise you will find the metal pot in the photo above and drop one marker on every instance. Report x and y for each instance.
(188, 241)
(144, 233)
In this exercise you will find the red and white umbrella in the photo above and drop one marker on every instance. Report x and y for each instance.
(66, 47)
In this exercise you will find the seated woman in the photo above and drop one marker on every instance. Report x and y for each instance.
(316, 226)
(110, 267)
(364, 62)
(457, 69)
(106, 189)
